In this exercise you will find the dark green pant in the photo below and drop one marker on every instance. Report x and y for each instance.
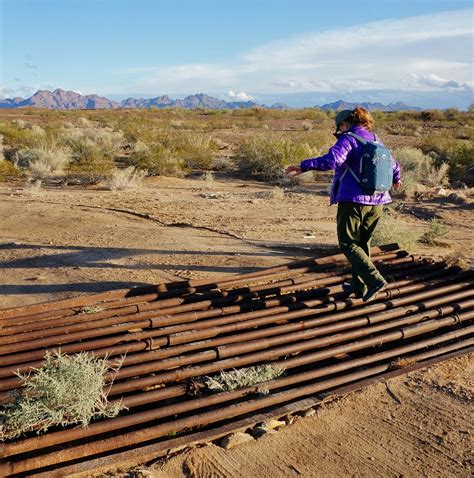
(356, 224)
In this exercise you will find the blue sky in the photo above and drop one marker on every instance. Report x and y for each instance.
(276, 50)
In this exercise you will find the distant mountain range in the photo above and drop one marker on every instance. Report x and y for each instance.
(343, 105)
(70, 100)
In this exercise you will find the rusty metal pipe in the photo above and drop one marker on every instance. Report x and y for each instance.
(40, 329)
(195, 337)
(97, 428)
(105, 342)
(42, 321)
(201, 419)
(194, 340)
(274, 354)
(123, 293)
(109, 330)
(236, 349)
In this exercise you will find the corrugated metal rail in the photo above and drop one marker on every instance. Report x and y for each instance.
(295, 316)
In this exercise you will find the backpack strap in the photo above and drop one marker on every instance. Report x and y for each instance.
(357, 137)
(348, 168)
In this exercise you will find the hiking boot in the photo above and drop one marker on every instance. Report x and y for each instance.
(374, 291)
(349, 290)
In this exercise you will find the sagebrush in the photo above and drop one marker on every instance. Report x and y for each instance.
(65, 390)
(244, 377)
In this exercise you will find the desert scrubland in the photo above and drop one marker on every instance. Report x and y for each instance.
(96, 200)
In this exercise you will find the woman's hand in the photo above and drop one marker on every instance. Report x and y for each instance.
(293, 171)
(397, 185)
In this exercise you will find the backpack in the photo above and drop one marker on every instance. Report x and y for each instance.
(375, 173)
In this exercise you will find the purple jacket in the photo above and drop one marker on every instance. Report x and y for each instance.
(348, 151)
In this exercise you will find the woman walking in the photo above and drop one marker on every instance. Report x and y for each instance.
(358, 212)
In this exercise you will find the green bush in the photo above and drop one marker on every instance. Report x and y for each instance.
(8, 170)
(458, 155)
(461, 163)
(419, 168)
(267, 156)
(195, 150)
(392, 228)
(156, 159)
(16, 137)
(435, 231)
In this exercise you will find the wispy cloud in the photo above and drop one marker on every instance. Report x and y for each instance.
(20, 90)
(423, 52)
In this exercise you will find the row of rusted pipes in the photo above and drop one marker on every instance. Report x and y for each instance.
(294, 316)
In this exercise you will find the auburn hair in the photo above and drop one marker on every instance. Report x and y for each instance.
(360, 116)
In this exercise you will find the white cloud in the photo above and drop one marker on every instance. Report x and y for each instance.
(434, 81)
(411, 53)
(242, 96)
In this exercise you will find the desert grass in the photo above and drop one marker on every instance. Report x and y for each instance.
(128, 178)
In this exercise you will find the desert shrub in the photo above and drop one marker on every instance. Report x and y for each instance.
(22, 124)
(452, 114)
(92, 161)
(435, 231)
(43, 161)
(107, 140)
(89, 171)
(460, 159)
(419, 168)
(178, 124)
(307, 125)
(65, 390)
(83, 122)
(406, 129)
(207, 176)
(8, 170)
(458, 155)
(195, 150)
(157, 160)
(222, 164)
(278, 193)
(243, 377)
(267, 156)
(33, 186)
(392, 228)
(432, 115)
(465, 134)
(127, 178)
(16, 137)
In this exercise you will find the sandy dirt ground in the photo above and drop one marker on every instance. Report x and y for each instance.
(57, 243)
